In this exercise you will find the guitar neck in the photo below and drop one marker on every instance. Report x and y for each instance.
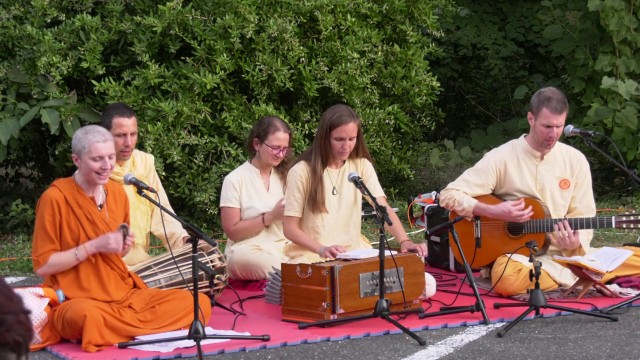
(546, 225)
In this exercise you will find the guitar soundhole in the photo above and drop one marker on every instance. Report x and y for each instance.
(515, 229)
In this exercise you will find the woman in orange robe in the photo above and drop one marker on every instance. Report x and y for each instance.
(78, 248)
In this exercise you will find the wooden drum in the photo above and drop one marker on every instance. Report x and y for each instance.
(162, 272)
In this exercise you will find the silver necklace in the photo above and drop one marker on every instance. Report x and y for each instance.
(334, 191)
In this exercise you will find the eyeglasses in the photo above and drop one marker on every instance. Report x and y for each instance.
(285, 151)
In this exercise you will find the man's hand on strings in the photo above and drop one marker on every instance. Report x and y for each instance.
(565, 237)
(512, 210)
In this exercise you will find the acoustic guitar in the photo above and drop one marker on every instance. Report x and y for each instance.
(484, 239)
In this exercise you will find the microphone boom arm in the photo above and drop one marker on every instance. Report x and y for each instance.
(632, 174)
(381, 211)
(193, 230)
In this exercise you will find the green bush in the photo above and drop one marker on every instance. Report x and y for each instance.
(497, 54)
(199, 74)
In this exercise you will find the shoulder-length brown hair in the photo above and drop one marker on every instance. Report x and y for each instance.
(319, 155)
(264, 128)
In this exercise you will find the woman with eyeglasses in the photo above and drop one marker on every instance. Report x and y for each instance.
(252, 203)
(323, 213)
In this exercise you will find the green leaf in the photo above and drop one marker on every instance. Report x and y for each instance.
(53, 103)
(51, 117)
(89, 116)
(553, 32)
(628, 88)
(628, 118)
(29, 115)
(17, 75)
(520, 92)
(602, 112)
(70, 127)
(8, 127)
(434, 157)
(46, 85)
(608, 83)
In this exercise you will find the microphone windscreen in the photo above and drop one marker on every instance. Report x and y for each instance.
(568, 130)
(127, 178)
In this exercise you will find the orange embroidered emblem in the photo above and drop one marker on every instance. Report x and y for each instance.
(565, 184)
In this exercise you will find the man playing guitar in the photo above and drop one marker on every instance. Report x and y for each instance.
(535, 165)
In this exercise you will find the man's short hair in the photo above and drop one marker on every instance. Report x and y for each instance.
(549, 98)
(113, 111)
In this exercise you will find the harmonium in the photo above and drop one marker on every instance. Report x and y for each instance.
(343, 288)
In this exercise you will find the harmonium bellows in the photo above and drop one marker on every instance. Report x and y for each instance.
(344, 288)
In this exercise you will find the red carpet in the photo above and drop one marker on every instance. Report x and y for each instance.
(265, 319)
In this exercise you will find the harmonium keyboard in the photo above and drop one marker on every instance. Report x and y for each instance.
(343, 288)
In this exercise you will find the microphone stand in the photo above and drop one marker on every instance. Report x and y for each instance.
(537, 299)
(382, 306)
(632, 174)
(479, 305)
(196, 332)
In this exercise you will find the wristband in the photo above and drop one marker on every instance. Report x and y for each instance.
(263, 222)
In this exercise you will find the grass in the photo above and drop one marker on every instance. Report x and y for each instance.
(15, 249)
(15, 255)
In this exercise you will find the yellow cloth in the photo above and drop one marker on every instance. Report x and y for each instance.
(342, 223)
(145, 216)
(631, 266)
(253, 258)
(106, 303)
(515, 279)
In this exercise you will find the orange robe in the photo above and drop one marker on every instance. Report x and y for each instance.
(106, 303)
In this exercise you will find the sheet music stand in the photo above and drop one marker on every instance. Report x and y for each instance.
(479, 305)
(197, 331)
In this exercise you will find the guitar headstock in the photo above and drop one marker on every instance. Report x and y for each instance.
(627, 221)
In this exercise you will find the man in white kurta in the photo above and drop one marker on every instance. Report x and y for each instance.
(146, 217)
(254, 258)
(561, 180)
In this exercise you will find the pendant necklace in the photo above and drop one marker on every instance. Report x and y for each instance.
(101, 199)
(334, 191)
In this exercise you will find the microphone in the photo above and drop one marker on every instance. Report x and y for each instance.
(354, 178)
(129, 179)
(444, 226)
(571, 130)
(380, 210)
(533, 245)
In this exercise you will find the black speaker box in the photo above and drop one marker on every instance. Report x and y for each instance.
(440, 255)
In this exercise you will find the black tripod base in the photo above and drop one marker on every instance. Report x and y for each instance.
(537, 301)
(456, 310)
(617, 306)
(381, 310)
(197, 334)
(124, 345)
